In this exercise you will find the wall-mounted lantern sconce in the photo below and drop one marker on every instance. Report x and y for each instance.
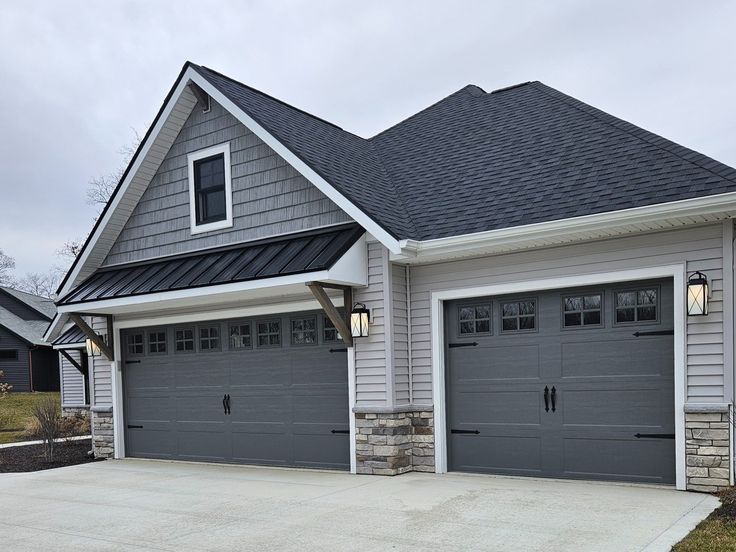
(92, 349)
(697, 295)
(359, 320)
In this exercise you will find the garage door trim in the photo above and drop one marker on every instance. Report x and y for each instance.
(256, 310)
(675, 271)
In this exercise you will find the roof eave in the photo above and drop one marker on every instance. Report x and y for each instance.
(650, 218)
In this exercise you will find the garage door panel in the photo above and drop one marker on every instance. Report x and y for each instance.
(258, 369)
(496, 454)
(155, 440)
(263, 448)
(205, 445)
(605, 358)
(324, 408)
(617, 406)
(488, 364)
(627, 459)
(497, 407)
(330, 450)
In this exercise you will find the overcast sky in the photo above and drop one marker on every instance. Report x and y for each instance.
(78, 76)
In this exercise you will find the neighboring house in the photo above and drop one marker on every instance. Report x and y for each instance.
(27, 360)
(524, 258)
(71, 346)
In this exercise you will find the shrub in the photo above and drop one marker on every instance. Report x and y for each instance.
(45, 425)
(74, 426)
(5, 388)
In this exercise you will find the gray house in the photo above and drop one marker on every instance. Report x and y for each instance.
(27, 360)
(550, 292)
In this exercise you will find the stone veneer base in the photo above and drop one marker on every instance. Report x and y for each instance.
(103, 442)
(707, 451)
(69, 411)
(395, 442)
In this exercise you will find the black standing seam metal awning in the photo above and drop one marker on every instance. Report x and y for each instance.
(297, 253)
(73, 336)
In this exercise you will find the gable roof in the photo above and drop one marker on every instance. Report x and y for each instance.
(42, 305)
(470, 163)
(31, 331)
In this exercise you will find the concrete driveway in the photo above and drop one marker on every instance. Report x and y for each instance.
(149, 505)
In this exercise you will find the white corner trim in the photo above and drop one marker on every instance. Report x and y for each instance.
(437, 299)
(719, 204)
(351, 408)
(117, 396)
(310, 174)
(195, 228)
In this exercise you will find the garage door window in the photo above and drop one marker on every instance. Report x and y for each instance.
(240, 336)
(269, 333)
(134, 344)
(518, 316)
(209, 338)
(636, 306)
(157, 342)
(475, 319)
(184, 340)
(331, 335)
(582, 310)
(304, 331)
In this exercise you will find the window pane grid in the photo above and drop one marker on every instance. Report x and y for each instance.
(330, 332)
(582, 310)
(240, 336)
(209, 338)
(210, 189)
(636, 306)
(475, 319)
(184, 340)
(518, 316)
(269, 333)
(135, 344)
(304, 331)
(156, 342)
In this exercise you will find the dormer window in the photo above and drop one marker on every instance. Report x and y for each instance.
(210, 189)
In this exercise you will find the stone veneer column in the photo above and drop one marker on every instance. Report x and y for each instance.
(69, 411)
(707, 449)
(103, 442)
(396, 442)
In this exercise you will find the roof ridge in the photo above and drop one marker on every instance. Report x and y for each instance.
(465, 88)
(269, 96)
(651, 138)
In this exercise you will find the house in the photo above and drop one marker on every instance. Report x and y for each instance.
(27, 360)
(550, 291)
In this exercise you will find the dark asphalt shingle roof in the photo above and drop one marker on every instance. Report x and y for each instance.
(42, 305)
(478, 161)
(298, 253)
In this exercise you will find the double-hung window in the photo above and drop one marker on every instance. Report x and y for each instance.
(210, 189)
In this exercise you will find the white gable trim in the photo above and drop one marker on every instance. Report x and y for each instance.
(141, 159)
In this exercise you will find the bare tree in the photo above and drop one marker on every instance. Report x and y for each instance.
(70, 249)
(38, 283)
(101, 188)
(7, 263)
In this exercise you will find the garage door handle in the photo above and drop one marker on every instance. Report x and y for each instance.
(465, 431)
(546, 398)
(654, 435)
(135, 426)
(341, 431)
(554, 398)
(226, 403)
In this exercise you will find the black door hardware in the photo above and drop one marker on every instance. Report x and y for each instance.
(554, 398)
(465, 431)
(132, 362)
(657, 332)
(546, 398)
(226, 403)
(654, 435)
(455, 345)
(134, 427)
(338, 350)
(341, 431)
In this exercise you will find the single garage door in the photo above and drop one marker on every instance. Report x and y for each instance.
(270, 390)
(575, 383)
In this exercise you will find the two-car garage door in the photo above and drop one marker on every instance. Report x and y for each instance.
(575, 383)
(269, 390)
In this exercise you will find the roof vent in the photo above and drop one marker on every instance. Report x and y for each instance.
(511, 87)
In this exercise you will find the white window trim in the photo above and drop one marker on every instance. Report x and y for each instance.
(220, 224)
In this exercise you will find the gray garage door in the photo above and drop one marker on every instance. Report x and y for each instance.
(575, 383)
(270, 390)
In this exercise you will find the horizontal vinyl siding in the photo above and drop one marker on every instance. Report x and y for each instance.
(102, 376)
(72, 380)
(370, 352)
(16, 371)
(269, 196)
(699, 247)
(400, 334)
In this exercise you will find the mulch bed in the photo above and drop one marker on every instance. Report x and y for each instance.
(30, 458)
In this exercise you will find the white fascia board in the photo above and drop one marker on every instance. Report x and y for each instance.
(81, 345)
(56, 327)
(391, 243)
(436, 249)
(140, 159)
(352, 268)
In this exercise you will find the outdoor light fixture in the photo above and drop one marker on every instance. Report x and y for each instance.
(359, 319)
(92, 349)
(697, 295)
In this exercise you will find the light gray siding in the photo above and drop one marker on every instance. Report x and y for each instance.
(400, 335)
(101, 370)
(269, 196)
(72, 380)
(370, 352)
(701, 248)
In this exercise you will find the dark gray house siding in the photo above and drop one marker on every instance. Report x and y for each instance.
(17, 372)
(269, 196)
